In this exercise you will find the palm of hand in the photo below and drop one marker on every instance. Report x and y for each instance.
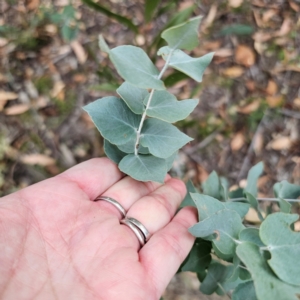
(59, 245)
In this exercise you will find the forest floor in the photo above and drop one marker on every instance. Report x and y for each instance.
(249, 110)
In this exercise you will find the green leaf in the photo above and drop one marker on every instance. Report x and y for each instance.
(216, 279)
(164, 106)
(244, 291)
(251, 235)
(115, 121)
(254, 203)
(286, 190)
(113, 152)
(102, 44)
(111, 15)
(129, 147)
(193, 67)
(199, 257)
(162, 139)
(267, 285)
(284, 246)
(144, 167)
(252, 178)
(133, 96)
(211, 186)
(237, 29)
(207, 206)
(285, 207)
(224, 189)
(183, 36)
(188, 200)
(225, 225)
(150, 7)
(134, 65)
(69, 33)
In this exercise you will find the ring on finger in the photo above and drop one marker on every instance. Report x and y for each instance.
(135, 230)
(141, 227)
(115, 203)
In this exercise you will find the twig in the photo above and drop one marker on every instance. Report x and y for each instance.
(290, 113)
(266, 199)
(246, 162)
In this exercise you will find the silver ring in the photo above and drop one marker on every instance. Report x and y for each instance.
(141, 227)
(136, 231)
(114, 203)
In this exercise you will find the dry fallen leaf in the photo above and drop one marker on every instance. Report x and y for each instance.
(79, 52)
(57, 88)
(244, 55)
(253, 106)
(32, 4)
(271, 88)
(297, 226)
(297, 102)
(294, 6)
(37, 159)
(233, 72)
(16, 109)
(235, 3)
(280, 143)
(237, 142)
(210, 17)
(274, 101)
(4, 96)
(223, 52)
(3, 42)
(258, 143)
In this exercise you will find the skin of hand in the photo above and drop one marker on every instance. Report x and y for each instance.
(57, 243)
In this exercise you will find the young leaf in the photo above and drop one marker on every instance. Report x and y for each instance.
(183, 36)
(240, 208)
(254, 203)
(193, 67)
(113, 152)
(134, 65)
(252, 178)
(251, 235)
(144, 167)
(285, 207)
(162, 139)
(211, 186)
(225, 225)
(284, 246)
(164, 106)
(267, 285)
(102, 44)
(245, 291)
(199, 257)
(133, 96)
(286, 190)
(115, 121)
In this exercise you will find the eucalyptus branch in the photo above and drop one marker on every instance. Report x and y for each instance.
(138, 133)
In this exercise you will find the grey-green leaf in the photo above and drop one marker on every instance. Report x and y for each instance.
(165, 106)
(133, 96)
(252, 178)
(285, 207)
(183, 36)
(134, 65)
(267, 285)
(115, 121)
(225, 225)
(284, 246)
(198, 259)
(130, 145)
(113, 152)
(254, 203)
(193, 67)
(102, 44)
(188, 200)
(161, 138)
(211, 186)
(244, 291)
(251, 235)
(144, 167)
(169, 160)
(286, 190)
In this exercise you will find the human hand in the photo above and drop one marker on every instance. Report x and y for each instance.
(57, 243)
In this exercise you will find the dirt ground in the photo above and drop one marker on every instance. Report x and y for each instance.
(249, 108)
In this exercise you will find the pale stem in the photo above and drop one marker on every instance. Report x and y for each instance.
(138, 133)
(266, 199)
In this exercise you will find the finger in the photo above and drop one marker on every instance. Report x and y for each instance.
(93, 176)
(156, 210)
(127, 191)
(167, 249)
